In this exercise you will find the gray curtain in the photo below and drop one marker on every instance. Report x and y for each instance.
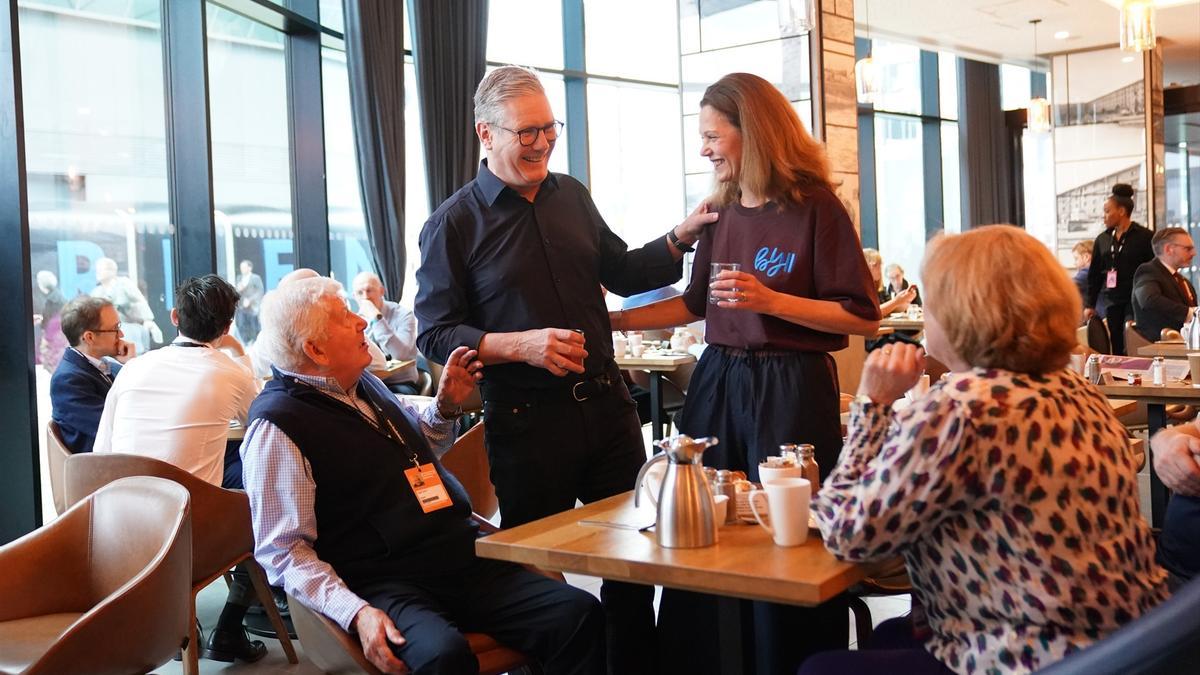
(985, 158)
(450, 53)
(375, 61)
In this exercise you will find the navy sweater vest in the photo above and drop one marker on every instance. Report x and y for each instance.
(369, 524)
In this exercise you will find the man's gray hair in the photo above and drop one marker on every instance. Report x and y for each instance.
(292, 314)
(1163, 237)
(500, 86)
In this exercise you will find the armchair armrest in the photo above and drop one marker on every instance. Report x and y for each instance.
(45, 572)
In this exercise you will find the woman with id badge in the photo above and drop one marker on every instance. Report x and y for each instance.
(1116, 255)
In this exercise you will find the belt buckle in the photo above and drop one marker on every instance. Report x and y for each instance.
(575, 392)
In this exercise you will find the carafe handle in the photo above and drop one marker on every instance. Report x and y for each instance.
(637, 485)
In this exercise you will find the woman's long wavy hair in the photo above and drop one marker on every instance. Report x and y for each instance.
(780, 160)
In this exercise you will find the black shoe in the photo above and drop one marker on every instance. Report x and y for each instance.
(226, 645)
(281, 603)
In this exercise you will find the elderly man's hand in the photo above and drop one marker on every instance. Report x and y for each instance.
(375, 630)
(558, 350)
(1174, 453)
(463, 369)
(890, 371)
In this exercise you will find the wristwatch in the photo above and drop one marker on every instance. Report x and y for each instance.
(456, 413)
(683, 248)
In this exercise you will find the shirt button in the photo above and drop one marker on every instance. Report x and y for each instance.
(547, 241)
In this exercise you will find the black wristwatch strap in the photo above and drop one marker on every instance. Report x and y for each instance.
(685, 248)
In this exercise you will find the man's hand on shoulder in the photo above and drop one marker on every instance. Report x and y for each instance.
(558, 350)
(375, 631)
(694, 225)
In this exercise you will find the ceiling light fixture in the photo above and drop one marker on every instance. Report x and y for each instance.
(1137, 25)
(867, 77)
(1062, 35)
(1038, 112)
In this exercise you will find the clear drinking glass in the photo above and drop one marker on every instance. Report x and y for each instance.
(715, 269)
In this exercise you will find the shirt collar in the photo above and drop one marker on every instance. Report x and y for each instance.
(98, 363)
(322, 383)
(1170, 269)
(491, 186)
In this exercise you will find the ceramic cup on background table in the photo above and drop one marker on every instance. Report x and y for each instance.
(766, 473)
(1194, 367)
(788, 502)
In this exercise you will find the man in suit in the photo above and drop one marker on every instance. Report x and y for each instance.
(1162, 297)
(85, 374)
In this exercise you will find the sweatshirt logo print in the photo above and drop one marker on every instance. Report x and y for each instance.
(773, 261)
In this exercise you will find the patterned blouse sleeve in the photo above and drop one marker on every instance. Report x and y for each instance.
(898, 477)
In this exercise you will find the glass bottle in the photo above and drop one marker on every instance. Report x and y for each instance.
(808, 462)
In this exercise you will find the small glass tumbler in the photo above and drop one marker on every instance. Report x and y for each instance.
(715, 269)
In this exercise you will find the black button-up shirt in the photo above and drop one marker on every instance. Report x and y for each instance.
(492, 262)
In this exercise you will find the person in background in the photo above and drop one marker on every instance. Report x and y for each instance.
(175, 405)
(45, 291)
(136, 317)
(1175, 451)
(387, 549)
(391, 326)
(897, 285)
(1118, 252)
(53, 343)
(512, 266)
(766, 377)
(82, 379)
(1162, 297)
(1009, 487)
(887, 304)
(1081, 252)
(250, 288)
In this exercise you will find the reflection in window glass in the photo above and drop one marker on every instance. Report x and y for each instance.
(948, 85)
(332, 17)
(728, 24)
(525, 32)
(783, 63)
(251, 167)
(416, 197)
(900, 196)
(349, 252)
(638, 198)
(1041, 213)
(951, 188)
(96, 167)
(900, 68)
(1014, 87)
(638, 49)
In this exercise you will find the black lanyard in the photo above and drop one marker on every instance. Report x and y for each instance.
(1117, 245)
(191, 344)
(382, 424)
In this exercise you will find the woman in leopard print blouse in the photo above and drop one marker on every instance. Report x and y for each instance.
(1009, 488)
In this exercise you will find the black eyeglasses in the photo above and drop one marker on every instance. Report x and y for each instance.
(528, 136)
(105, 330)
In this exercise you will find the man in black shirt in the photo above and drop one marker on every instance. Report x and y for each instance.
(512, 266)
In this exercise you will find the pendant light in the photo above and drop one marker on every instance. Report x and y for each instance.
(1137, 25)
(868, 79)
(1038, 111)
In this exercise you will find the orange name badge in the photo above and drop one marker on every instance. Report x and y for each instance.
(427, 486)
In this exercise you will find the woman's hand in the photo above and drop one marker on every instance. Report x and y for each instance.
(458, 380)
(739, 290)
(890, 371)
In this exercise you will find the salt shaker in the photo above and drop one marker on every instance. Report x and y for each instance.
(1158, 371)
(808, 463)
(724, 485)
(1091, 370)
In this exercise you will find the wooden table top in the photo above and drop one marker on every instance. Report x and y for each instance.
(391, 367)
(659, 362)
(902, 323)
(1148, 393)
(1173, 350)
(1122, 406)
(745, 563)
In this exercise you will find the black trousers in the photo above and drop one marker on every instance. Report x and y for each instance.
(1116, 315)
(546, 451)
(558, 625)
(752, 402)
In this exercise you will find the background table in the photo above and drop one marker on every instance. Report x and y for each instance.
(1171, 350)
(903, 323)
(390, 367)
(656, 365)
(1156, 400)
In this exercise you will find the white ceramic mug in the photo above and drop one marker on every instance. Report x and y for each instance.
(766, 473)
(652, 483)
(788, 500)
(720, 506)
(635, 344)
(1194, 367)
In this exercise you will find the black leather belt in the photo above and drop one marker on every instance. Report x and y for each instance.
(578, 391)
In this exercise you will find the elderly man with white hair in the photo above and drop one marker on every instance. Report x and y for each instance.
(388, 549)
(390, 325)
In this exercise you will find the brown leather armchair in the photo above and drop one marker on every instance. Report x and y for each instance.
(56, 461)
(221, 536)
(103, 588)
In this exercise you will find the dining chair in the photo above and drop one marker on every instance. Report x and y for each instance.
(221, 533)
(1097, 335)
(467, 459)
(1163, 641)
(102, 589)
(1133, 339)
(56, 459)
